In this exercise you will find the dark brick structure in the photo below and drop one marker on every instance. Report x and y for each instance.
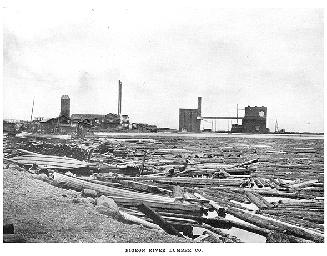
(255, 120)
(188, 120)
(65, 106)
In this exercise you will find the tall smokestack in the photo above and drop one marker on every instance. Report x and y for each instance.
(199, 106)
(119, 96)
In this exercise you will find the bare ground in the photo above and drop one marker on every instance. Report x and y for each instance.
(41, 212)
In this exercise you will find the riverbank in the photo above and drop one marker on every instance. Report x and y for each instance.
(42, 213)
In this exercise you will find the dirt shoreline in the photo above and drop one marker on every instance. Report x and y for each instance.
(43, 213)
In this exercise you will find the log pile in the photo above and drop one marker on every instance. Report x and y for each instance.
(274, 189)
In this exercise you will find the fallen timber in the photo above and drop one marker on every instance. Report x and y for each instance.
(286, 183)
(144, 187)
(161, 206)
(258, 200)
(129, 198)
(267, 192)
(219, 202)
(48, 165)
(311, 204)
(315, 217)
(223, 236)
(92, 180)
(157, 219)
(304, 184)
(298, 222)
(109, 191)
(48, 161)
(219, 222)
(134, 219)
(228, 194)
(273, 224)
(268, 225)
(188, 181)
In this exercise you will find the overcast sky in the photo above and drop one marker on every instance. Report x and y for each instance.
(165, 58)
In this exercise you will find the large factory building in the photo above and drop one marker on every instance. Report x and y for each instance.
(188, 118)
(254, 120)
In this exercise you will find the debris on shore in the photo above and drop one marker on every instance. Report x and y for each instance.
(199, 189)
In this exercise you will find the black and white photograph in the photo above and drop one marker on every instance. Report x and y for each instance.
(162, 124)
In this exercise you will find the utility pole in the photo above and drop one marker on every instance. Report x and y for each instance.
(237, 113)
(120, 85)
(32, 109)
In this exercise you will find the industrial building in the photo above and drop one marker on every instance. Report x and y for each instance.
(188, 118)
(188, 121)
(67, 122)
(254, 120)
(104, 121)
(65, 106)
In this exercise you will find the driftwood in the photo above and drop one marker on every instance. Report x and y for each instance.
(259, 201)
(163, 206)
(192, 198)
(269, 192)
(48, 161)
(247, 163)
(273, 224)
(188, 181)
(134, 219)
(277, 237)
(298, 222)
(186, 229)
(179, 220)
(219, 203)
(178, 192)
(201, 238)
(223, 223)
(215, 222)
(231, 223)
(227, 193)
(222, 236)
(158, 220)
(144, 187)
(79, 185)
(37, 155)
(301, 204)
(109, 184)
(315, 217)
(258, 183)
(304, 184)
